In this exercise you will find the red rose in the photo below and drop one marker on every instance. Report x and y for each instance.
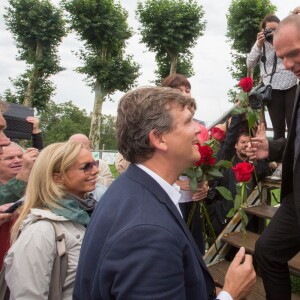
(206, 156)
(243, 171)
(218, 134)
(246, 84)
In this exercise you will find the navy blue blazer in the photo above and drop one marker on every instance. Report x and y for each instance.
(137, 246)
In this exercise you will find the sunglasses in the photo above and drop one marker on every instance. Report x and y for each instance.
(88, 167)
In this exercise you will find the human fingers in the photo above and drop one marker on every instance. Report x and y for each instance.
(197, 196)
(30, 119)
(5, 218)
(4, 207)
(238, 258)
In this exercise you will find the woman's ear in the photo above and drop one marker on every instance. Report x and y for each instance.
(57, 178)
(157, 140)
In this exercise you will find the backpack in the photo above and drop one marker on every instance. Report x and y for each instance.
(59, 271)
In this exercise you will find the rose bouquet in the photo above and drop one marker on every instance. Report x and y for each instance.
(202, 171)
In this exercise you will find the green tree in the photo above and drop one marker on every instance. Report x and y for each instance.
(102, 26)
(243, 20)
(108, 132)
(59, 121)
(184, 66)
(38, 28)
(170, 28)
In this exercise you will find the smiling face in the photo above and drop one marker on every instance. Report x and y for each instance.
(76, 180)
(287, 46)
(241, 145)
(181, 141)
(10, 162)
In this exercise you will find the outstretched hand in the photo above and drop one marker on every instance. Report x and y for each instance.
(258, 148)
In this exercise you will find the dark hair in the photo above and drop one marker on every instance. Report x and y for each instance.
(139, 112)
(242, 133)
(176, 81)
(268, 19)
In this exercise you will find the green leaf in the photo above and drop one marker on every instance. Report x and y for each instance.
(199, 173)
(237, 202)
(238, 110)
(225, 193)
(251, 117)
(215, 173)
(224, 163)
(231, 213)
(243, 97)
(191, 172)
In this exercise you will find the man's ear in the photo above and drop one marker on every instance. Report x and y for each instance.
(57, 178)
(157, 140)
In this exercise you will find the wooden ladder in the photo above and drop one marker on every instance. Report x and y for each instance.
(218, 256)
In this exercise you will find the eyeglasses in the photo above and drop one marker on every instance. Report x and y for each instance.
(88, 167)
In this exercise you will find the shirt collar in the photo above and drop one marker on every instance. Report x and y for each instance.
(171, 190)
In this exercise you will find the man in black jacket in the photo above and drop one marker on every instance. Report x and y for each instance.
(281, 239)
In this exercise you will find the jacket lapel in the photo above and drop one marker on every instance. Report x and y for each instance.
(147, 181)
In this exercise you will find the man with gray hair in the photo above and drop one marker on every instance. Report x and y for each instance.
(15, 168)
(137, 245)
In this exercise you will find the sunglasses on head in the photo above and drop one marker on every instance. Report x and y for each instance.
(88, 167)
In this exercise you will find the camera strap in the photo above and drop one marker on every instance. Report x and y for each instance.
(263, 59)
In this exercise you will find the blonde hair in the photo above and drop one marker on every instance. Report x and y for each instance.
(42, 190)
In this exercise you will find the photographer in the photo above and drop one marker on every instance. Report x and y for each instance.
(283, 81)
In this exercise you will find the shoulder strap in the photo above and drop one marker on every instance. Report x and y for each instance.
(59, 270)
(263, 59)
(60, 265)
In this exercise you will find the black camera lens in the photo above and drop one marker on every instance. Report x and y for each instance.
(268, 35)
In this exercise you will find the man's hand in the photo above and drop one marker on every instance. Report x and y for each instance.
(29, 157)
(240, 277)
(258, 148)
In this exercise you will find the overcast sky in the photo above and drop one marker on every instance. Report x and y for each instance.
(211, 59)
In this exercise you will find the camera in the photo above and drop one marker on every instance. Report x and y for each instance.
(268, 35)
(260, 95)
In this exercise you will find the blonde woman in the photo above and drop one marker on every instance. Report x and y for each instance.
(58, 190)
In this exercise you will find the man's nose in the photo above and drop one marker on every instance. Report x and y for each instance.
(4, 141)
(288, 64)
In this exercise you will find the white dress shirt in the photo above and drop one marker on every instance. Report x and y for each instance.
(171, 190)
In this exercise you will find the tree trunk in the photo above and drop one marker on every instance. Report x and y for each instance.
(174, 59)
(96, 117)
(34, 75)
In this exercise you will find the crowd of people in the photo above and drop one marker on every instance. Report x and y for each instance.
(81, 234)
